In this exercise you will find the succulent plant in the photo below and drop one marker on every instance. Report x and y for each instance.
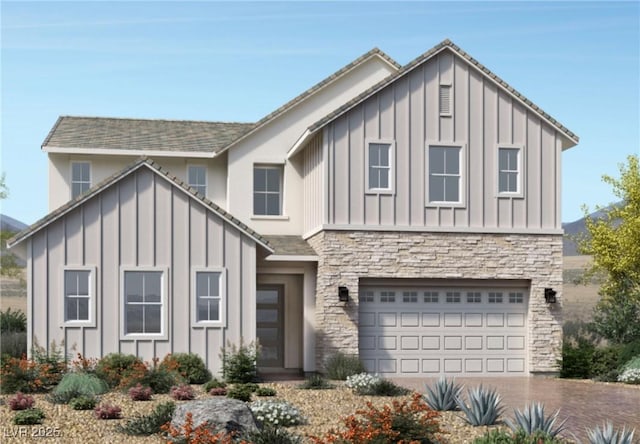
(443, 395)
(484, 406)
(533, 419)
(607, 435)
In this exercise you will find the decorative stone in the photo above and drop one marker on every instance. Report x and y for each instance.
(219, 413)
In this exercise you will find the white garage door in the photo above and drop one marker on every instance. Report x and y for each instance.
(454, 331)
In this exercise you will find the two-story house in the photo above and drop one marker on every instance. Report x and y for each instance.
(410, 215)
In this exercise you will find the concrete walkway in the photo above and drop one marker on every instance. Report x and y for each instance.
(585, 404)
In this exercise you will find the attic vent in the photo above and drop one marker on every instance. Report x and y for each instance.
(445, 100)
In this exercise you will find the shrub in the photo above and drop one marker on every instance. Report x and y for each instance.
(189, 434)
(84, 365)
(27, 376)
(218, 391)
(29, 417)
(607, 435)
(532, 419)
(576, 359)
(12, 321)
(271, 435)
(108, 411)
(276, 413)
(214, 383)
(630, 376)
(628, 351)
(140, 393)
(240, 392)
(444, 394)
(265, 391)
(239, 363)
(340, 366)
(605, 363)
(13, 345)
(82, 383)
(182, 392)
(115, 367)
(83, 402)
(315, 382)
(21, 402)
(499, 436)
(383, 387)
(484, 406)
(53, 358)
(189, 365)
(407, 421)
(158, 377)
(361, 381)
(149, 424)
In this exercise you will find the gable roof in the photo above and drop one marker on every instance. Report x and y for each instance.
(142, 162)
(135, 136)
(290, 245)
(445, 44)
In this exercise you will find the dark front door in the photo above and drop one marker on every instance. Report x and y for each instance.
(270, 325)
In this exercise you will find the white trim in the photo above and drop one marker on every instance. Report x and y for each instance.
(521, 167)
(128, 152)
(451, 99)
(93, 288)
(164, 298)
(269, 217)
(300, 143)
(392, 166)
(291, 258)
(312, 232)
(222, 322)
(462, 198)
(423, 229)
(272, 166)
(206, 173)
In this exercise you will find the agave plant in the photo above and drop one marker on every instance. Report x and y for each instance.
(533, 419)
(607, 435)
(443, 395)
(484, 406)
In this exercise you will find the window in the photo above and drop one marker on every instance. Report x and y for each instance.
(453, 297)
(197, 178)
(379, 167)
(431, 297)
(267, 190)
(495, 298)
(509, 170)
(387, 296)
(444, 174)
(410, 296)
(366, 296)
(80, 178)
(516, 298)
(474, 297)
(209, 288)
(144, 302)
(79, 296)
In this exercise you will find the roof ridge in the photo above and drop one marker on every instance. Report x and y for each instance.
(152, 119)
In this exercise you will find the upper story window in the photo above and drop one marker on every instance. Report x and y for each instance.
(380, 167)
(144, 302)
(509, 171)
(79, 296)
(267, 190)
(445, 177)
(209, 296)
(197, 178)
(80, 178)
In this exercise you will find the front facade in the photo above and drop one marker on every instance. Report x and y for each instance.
(410, 215)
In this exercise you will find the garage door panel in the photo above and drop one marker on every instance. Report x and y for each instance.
(495, 342)
(453, 342)
(515, 365)
(367, 342)
(387, 342)
(473, 342)
(453, 319)
(431, 366)
(367, 319)
(431, 319)
(495, 320)
(515, 342)
(409, 320)
(473, 365)
(453, 365)
(410, 342)
(431, 342)
(473, 319)
(387, 366)
(387, 319)
(495, 365)
(515, 320)
(410, 365)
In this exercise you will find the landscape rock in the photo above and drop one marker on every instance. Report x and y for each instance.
(220, 414)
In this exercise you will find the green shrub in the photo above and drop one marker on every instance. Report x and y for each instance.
(316, 382)
(340, 366)
(27, 376)
(629, 351)
(605, 363)
(484, 406)
(13, 345)
(499, 436)
(239, 363)
(29, 417)
(240, 392)
(272, 435)
(189, 365)
(77, 384)
(214, 383)
(115, 367)
(577, 359)
(149, 424)
(83, 402)
(159, 379)
(265, 391)
(383, 387)
(12, 321)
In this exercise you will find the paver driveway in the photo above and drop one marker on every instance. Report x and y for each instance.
(585, 404)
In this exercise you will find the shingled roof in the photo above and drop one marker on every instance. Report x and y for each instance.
(140, 163)
(143, 134)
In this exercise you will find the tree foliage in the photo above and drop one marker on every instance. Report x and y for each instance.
(4, 190)
(613, 242)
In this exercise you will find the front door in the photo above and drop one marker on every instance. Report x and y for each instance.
(270, 325)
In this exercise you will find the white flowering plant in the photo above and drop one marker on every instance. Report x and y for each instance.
(630, 376)
(277, 413)
(362, 381)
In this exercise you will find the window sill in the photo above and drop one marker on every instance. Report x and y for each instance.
(378, 192)
(78, 324)
(445, 205)
(510, 196)
(143, 336)
(211, 324)
(269, 217)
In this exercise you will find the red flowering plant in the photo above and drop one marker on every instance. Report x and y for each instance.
(201, 434)
(21, 402)
(27, 375)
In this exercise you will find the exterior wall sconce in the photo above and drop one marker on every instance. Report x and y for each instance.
(550, 296)
(343, 294)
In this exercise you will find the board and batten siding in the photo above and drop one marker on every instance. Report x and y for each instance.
(483, 117)
(142, 221)
(313, 180)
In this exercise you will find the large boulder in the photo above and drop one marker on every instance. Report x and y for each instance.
(219, 414)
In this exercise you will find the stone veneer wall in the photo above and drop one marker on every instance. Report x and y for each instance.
(346, 257)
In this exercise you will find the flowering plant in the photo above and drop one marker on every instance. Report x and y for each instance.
(278, 413)
(630, 376)
(362, 381)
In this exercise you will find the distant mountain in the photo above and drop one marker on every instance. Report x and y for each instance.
(576, 228)
(10, 224)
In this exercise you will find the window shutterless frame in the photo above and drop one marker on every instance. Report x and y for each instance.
(141, 302)
(80, 177)
(380, 164)
(447, 176)
(267, 190)
(509, 171)
(202, 293)
(75, 294)
(197, 178)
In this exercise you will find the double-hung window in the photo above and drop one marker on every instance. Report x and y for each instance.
(445, 174)
(80, 178)
(267, 190)
(79, 296)
(197, 178)
(380, 167)
(509, 171)
(144, 302)
(209, 296)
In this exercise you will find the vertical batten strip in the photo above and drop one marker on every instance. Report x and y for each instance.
(100, 275)
(468, 141)
(525, 178)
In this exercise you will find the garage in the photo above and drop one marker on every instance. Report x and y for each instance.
(457, 330)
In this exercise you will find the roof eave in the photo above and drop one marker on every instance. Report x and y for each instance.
(127, 152)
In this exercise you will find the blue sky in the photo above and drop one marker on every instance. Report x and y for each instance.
(579, 61)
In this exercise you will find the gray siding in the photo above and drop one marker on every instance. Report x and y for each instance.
(142, 221)
(484, 117)
(313, 179)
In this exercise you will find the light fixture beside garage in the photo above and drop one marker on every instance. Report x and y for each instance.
(343, 294)
(550, 296)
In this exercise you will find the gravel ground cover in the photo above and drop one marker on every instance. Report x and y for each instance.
(323, 410)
